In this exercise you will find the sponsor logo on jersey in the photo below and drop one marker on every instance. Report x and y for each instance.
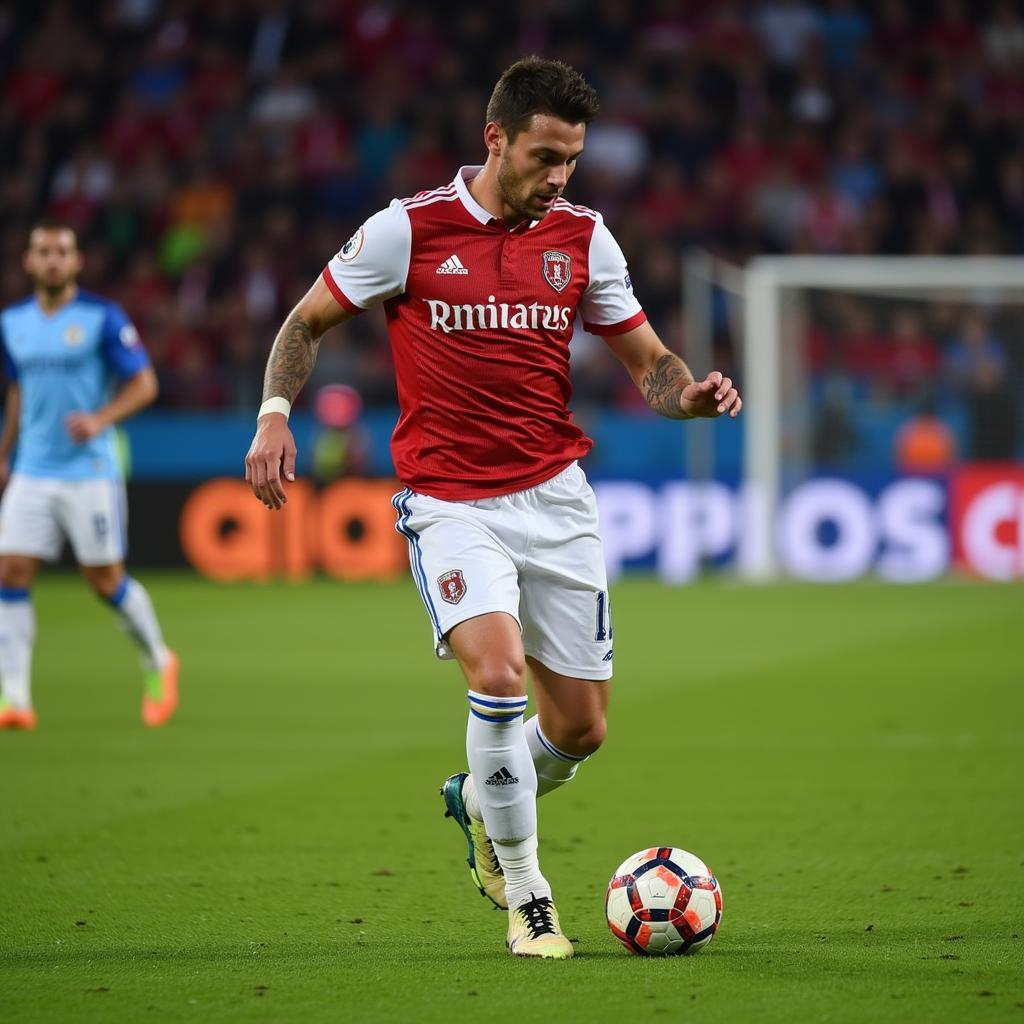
(557, 269)
(493, 316)
(452, 265)
(129, 336)
(350, 250)
(629, 283)
(73, 335)
(453, 586)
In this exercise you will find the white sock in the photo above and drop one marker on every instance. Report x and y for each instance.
(554, 767)
(519, 864)
(506, 790)
(17, 635)
(135, 610)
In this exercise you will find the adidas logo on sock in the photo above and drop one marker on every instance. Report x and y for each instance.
(452, 265)
(502, 777)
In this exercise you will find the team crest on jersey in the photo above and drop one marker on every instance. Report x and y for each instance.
(453, 586)
(74, 335)
(557, 269)
(350, 250)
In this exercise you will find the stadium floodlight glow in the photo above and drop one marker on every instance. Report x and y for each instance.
(980, 279)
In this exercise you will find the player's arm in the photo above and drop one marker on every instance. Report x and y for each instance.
(291, 361)
(9, 432)
(665, 380)
(135, 393)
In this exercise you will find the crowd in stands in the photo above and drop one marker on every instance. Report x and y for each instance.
(213, 156)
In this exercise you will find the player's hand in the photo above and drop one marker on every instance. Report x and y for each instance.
(712, 396)
(5, 471)
(83, 426)
(271, 459)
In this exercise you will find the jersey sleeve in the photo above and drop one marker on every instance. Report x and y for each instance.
(608, 305)
(121, 345)
(373, 264)
(10, 370)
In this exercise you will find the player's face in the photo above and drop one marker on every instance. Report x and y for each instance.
(52, 260)
(535, 168)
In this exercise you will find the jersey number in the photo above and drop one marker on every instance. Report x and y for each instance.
(99, 524)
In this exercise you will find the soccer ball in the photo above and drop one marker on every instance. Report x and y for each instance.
(663, 902)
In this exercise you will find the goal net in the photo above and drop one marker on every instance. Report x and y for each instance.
(882, 417)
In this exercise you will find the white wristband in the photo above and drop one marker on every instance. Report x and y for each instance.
(276, 404)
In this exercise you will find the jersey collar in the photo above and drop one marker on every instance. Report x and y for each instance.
(462, 179)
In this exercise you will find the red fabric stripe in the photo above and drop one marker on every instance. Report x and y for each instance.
(620, 328)
(342, 299)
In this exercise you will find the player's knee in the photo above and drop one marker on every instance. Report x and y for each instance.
(105, 584)
(585, 737)
(16, 573)
(500, 677)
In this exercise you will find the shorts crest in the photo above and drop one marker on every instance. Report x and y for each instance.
(452, 585)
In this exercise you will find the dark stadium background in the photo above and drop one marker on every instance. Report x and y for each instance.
(214, 156)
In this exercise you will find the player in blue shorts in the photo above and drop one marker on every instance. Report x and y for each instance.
(74, 367)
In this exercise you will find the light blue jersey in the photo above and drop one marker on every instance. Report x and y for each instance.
(70, 361)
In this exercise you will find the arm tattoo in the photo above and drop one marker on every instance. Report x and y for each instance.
(291, 359)
(662, 384)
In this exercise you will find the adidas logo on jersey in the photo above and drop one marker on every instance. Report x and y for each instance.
(502, 777)
(452, 265)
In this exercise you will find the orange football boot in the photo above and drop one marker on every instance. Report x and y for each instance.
(161, 695)
(16, 718)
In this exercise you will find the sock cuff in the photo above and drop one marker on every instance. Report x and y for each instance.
(496, 710)
(118, 596)
(15, 594)
(552, 749)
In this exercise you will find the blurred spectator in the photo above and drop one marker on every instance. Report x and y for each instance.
(925, 444)
(785, 28)
(1004, 37)
(911, 360)
(215, 156)
(978, 368)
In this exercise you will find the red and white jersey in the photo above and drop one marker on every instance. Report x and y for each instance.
(480, 318)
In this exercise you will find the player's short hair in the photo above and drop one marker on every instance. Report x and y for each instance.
(52, 224)
(536, 85)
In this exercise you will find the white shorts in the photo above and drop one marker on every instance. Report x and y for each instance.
(534, 554)
(36, 515)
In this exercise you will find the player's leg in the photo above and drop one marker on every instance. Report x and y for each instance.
(29, 535)
(93, 515)
(137, 617)
(464, 567)
(17, 638)
(567, 630)
(569, 726)
(490, 652)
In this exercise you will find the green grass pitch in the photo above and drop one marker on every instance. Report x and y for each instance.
(849, 760)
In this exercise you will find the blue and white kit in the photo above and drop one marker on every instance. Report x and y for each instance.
(70, 361)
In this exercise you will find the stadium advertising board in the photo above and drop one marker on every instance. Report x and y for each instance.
(905, 529)
(902, 529)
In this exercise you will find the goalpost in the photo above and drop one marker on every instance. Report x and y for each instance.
(765, 287)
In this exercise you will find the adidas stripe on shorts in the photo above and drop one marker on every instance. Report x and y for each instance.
(534, 554)
(37, 514)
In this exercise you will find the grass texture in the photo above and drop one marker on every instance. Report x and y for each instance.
(849, 760)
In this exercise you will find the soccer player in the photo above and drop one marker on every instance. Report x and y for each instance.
(75, 367)
(482, 281)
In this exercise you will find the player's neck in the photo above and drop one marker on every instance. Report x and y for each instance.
(484, 189)
(52, 299)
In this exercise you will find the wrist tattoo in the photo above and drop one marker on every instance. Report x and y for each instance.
(663, 385)
(291, 359)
